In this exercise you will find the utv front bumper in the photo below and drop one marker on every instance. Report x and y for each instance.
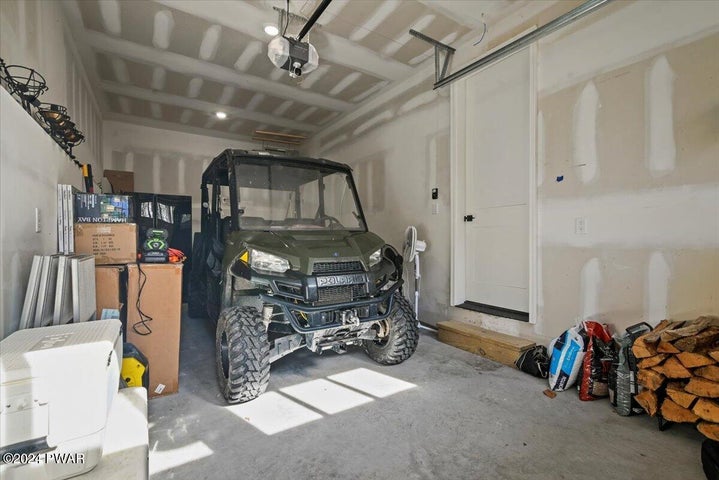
(308, 318)
(340, 296)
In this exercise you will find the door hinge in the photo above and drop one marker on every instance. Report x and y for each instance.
(468, 218)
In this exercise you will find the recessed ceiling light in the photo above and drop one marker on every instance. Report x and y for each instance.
(271, 30)
(221, 115)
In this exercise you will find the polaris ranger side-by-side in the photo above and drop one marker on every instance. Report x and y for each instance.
(284, 260)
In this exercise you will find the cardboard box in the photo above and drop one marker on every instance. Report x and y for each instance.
(159, 338)
(111, 244)
(99, 208)
(120, 181)
(111, 291)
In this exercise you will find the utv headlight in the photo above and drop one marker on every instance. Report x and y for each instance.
(266, 261)
(375, 258)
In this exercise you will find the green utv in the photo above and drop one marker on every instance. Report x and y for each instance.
(284, 260)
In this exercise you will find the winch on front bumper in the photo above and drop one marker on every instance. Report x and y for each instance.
(307, 318)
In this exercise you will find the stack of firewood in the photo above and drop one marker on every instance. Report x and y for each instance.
(678, 369)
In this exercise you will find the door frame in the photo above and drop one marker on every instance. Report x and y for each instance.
(458, 159)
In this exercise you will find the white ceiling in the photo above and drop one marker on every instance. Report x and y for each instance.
(174, 63)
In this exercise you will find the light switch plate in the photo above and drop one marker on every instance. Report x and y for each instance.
(580, 226)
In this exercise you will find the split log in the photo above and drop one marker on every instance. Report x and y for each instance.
(649, 401)
(710, 372)
(706, 339)
(691, 329)
(653, 336)
(673, 368)
(675, 413)
(714, 354)
(713, 319)
(675, 391)
(666, 347)
(642, 349)
(650, 379)
(709, 430)
(694, 360)
(703, 387)
(706, 410)
(652, 361)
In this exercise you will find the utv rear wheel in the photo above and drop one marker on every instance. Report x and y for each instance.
(397, 335)
(197, 296)
(242, 354)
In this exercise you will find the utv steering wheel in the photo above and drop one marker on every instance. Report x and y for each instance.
(332, 221)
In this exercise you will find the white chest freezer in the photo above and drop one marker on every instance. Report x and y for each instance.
(57, 385)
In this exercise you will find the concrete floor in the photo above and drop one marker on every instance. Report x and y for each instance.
(464, 417)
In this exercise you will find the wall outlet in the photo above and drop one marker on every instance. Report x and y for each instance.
(37, 220)
(580, 226)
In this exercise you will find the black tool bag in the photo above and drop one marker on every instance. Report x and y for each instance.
(710, 459)
(534, 361)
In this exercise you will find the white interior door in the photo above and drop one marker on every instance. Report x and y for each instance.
(498, 147)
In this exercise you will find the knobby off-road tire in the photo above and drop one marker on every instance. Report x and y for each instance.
(197, 295)
(242, 354)
(197, 300)
(401, 341)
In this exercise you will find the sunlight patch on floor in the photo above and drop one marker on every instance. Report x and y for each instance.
(271, 413)
(166, 459)
(275, 412)
(373, 383)
(326, 396)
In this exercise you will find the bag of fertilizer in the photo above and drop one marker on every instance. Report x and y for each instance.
(593, 380)
(566, 353)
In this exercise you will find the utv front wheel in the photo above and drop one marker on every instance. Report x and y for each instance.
(242, 354)
(397, 335)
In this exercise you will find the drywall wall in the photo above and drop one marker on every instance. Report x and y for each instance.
(164, 161)
(630, 128)
(637, 148)
(33, 34)
(396, 167)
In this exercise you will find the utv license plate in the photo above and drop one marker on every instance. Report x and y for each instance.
(339, 280)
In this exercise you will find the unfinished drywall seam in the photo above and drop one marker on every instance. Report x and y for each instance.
(181, 168)
(660, 149)
(130, 162)
(334, 142)
(541, 148)
(417, 101)
(374, 121)
(585, 133)
(156, 172)
(657, 288)
(432, 154)
(591, 284)
(643, 216)
(540, 282)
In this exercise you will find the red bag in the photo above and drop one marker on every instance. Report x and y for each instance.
(594, 375)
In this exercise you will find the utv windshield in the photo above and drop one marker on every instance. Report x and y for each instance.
(276, 196)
